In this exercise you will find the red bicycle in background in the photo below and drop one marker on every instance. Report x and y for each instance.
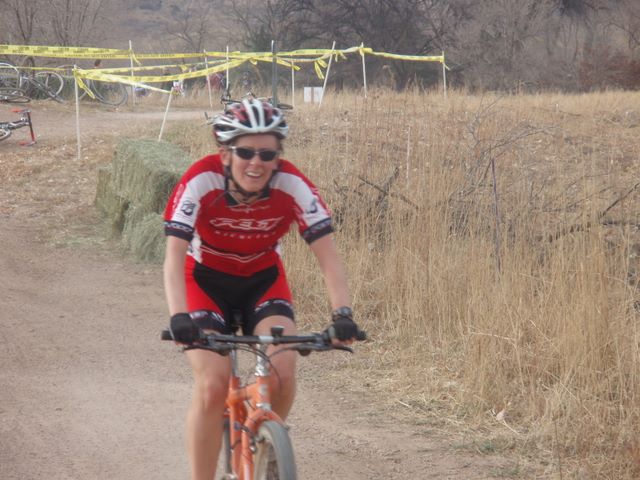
(25, 121)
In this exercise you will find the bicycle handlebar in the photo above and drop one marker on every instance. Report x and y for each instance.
(304, 344)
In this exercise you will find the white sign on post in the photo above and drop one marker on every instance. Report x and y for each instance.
(312, 94)
(308, 94)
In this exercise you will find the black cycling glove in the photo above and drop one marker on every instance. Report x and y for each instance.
(183, 329)
(343, 328)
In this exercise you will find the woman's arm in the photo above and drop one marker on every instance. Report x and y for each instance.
(333, 271)
(174, 286)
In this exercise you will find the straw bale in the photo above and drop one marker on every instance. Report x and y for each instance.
(112, 205)
(143, 235)
(145, 172)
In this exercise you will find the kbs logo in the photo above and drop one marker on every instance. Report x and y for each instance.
(187, 207)
(246, 224)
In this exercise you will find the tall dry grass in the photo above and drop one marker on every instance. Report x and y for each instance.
(507, 308)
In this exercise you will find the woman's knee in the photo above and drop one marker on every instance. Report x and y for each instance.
(283, 378)
(211, 374)
(210, 393)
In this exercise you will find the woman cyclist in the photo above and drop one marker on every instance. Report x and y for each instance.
(223, 223)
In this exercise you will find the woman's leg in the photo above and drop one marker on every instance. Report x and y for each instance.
(205, 417)
(283, 374)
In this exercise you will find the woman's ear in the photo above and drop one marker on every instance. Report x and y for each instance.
(225, 155)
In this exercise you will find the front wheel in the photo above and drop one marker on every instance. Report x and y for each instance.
(4, 133)
(274, 458)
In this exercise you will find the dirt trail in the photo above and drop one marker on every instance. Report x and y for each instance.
(87, 391)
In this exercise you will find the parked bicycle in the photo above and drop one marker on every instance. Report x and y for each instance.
(25, 121)
(11, 95)
(109, 93)
(256, 443)
(227, 100)
(35, 85)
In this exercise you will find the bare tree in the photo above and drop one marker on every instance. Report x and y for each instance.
(285, 21)
(503, 40)
(19, 20)
(75, 22)
(195, 24)
(625, 17)
(397, 26)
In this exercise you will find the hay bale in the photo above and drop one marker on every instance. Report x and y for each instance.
(112, 205)
(145, 172)
(132, 193)
(143, 235)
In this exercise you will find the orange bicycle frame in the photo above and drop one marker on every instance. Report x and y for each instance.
(247, 407)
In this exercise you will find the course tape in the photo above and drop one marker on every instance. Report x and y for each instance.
(64, 52)
(144, 80)
(236, 59)
(110, 53)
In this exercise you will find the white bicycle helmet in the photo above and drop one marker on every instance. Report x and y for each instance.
(249, 117)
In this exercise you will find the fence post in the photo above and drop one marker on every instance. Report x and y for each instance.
(444, 75)
(326, 77)
(364, 70)
(293, 83)
(75, 87)
(166, 112)
(227, 85)
(274, 74)
(206, 66)
(133, 89)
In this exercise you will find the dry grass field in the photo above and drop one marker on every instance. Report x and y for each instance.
(493, 250)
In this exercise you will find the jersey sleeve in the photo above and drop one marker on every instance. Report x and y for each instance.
(181, 212)
(311, 212)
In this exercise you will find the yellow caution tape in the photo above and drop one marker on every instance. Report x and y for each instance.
(142, 80)
(253, 57)
(65, 52)
(78, 74)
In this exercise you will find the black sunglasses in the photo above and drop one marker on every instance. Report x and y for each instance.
(246, 153)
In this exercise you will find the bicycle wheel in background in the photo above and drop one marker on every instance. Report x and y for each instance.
(4, 133)
(9, 76)
(10, 95)
(274, 459)
(38, 90)
(285, 106)
(110, 93)
(52, 80)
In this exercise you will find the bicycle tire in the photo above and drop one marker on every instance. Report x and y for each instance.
(4, 133)
(13, 96)
(9, 76)
(114, 94)
(226, 449)
(285, 106)
(52, 80)
(40, 90)
(274, 459)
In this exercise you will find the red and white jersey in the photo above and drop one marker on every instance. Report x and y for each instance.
(236, 238)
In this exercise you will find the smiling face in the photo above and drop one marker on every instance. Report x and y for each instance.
(251, 175)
